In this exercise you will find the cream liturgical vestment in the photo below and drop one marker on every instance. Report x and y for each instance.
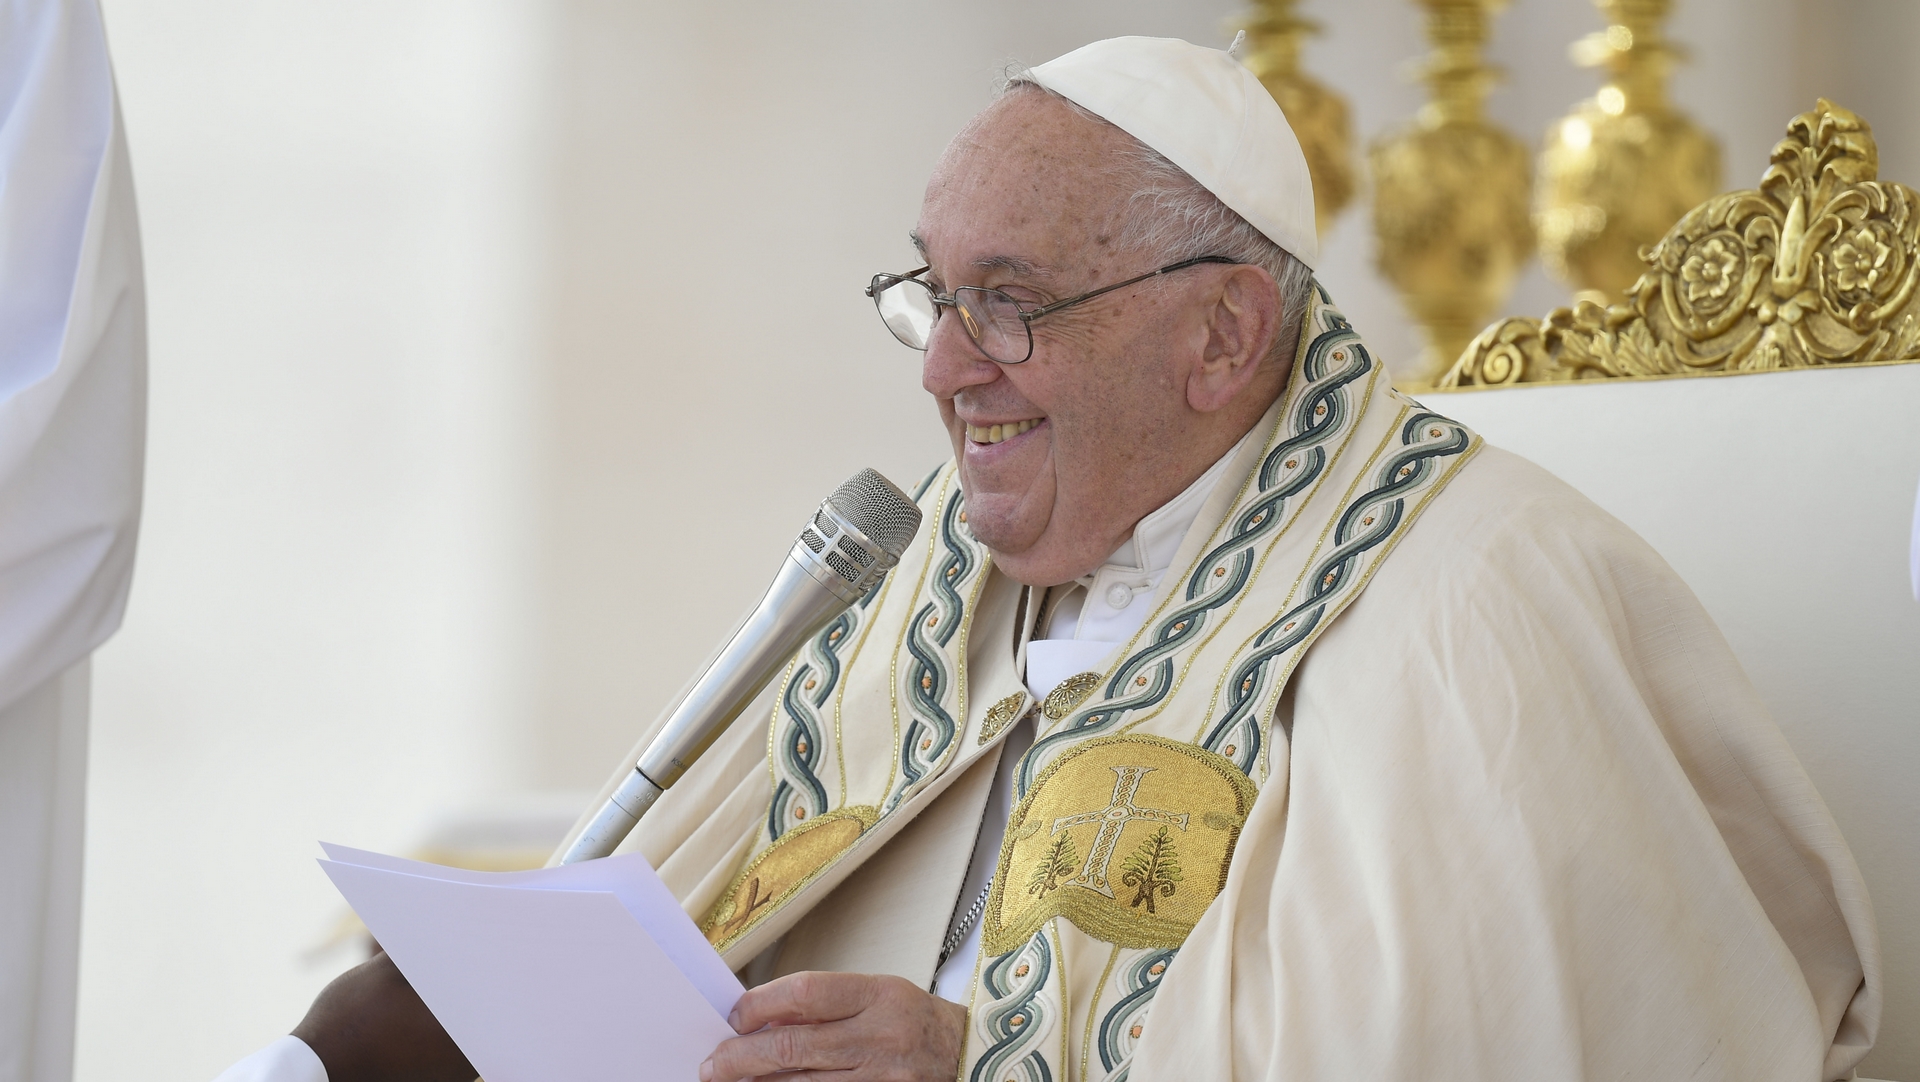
(1422, 767)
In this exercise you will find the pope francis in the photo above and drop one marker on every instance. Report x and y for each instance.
(1235, 716)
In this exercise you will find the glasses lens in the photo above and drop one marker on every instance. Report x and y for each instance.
(993, 319)
(906, 304)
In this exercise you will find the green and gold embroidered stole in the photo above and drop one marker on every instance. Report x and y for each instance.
(1132, 797)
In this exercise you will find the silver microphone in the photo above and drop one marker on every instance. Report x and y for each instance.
(858, 533)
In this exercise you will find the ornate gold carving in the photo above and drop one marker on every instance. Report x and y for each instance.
(1451, 191)
(1625, 164)
(1071, 693)
(1128, 837)
(1817, 266)
(1318, 115)
(771, 879)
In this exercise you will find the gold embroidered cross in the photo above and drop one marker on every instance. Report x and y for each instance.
(1116, 815)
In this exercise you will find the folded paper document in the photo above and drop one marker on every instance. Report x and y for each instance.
(585, 972)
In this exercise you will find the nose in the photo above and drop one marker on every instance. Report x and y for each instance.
(952, 362)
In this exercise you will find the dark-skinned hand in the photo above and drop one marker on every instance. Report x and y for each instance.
(850, 1027)
(370, 1026)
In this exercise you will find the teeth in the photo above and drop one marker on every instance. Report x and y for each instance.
(1000, 433)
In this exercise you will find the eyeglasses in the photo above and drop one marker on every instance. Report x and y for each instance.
(997, 324)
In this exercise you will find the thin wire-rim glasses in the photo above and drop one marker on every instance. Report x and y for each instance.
(998, 325)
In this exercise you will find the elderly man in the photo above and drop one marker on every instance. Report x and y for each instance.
(1234, 717)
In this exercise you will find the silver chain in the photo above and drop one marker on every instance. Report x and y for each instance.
(958, 932)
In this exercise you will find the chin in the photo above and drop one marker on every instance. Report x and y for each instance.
(1011, 547)
(995, 532)
(994, 514)
(1022, 557)
(1028, 570)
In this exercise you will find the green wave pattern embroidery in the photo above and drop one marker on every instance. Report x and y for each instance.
(799, 740)
(799, 745)
(1428, 443)
(1121, 1025)
(933, 683)
(1018, 1015)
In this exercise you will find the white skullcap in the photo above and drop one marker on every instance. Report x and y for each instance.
(1208, 115)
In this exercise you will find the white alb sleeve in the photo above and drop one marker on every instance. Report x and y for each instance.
(285, 1060)
(72, 344)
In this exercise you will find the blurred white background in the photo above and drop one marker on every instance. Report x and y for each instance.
(500, 346)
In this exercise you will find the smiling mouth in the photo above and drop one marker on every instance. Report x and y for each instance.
(1002, 432)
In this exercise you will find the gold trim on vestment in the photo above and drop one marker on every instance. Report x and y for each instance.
(1068, 696)
(783, 870)
(1000, 715)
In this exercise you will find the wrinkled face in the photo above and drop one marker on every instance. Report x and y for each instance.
(1061, 456)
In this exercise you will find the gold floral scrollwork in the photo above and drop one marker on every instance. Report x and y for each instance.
(1817, 266)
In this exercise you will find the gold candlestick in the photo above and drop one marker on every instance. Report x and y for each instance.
(1451, 192)
(1317, 114)
(1620, 169)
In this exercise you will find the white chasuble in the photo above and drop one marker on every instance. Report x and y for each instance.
(1515, 814)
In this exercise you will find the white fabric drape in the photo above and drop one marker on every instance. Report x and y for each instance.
(72, 426)
(43, 773)
(1538, 825)
(72, 344)
(285, 1060)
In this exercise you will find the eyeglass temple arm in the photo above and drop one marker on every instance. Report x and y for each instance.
(898, 278)
(1029, 317)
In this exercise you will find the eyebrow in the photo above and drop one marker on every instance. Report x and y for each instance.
(1017, 266)
(1013, 264)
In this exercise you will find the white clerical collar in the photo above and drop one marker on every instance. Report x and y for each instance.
(1158, 536)
(1114, 605)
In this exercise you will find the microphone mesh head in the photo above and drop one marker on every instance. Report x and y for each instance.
(878, 508)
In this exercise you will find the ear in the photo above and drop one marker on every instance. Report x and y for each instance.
(1241, 326)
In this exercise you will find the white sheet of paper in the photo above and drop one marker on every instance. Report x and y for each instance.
(628, 877)
(537, 984)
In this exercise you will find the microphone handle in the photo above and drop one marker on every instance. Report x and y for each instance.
(804, 598)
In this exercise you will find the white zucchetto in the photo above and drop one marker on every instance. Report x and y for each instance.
(1209, 115)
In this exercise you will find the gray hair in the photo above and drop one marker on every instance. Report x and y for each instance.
(1173, 217)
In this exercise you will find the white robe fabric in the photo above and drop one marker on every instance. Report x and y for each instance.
(72, 426)
(285, 1060)
(1536, 824)
(43, 770)
(72, 344)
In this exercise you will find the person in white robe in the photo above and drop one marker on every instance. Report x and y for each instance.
(1235, 716)
(72, 421)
